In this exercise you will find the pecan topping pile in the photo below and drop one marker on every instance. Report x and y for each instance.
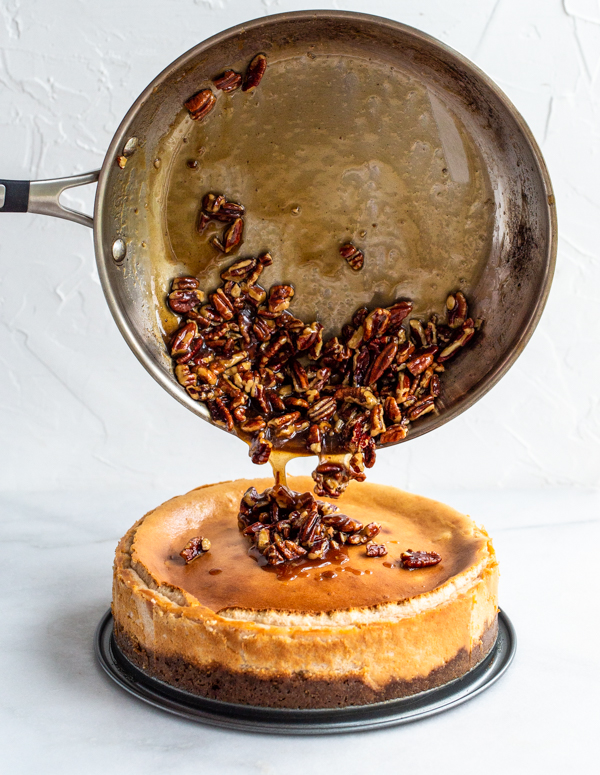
(283, 526)
(195, 547)
(200, 104)
(271, 377)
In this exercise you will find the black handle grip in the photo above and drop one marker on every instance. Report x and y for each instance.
(14, 196)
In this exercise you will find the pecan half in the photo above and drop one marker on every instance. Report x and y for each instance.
(353, 256)
(322, 409)
(280, 297)
(375, 550)
(200, 104)
(195, 547)
(382, 363)
(376, 323)
(228, 81)
(254, 72)
(260, 449)
(412, 559)
(393, 434)
(423, 360)
(183, 301)
(457, 309)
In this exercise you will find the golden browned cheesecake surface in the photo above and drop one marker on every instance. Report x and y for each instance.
(227, 577)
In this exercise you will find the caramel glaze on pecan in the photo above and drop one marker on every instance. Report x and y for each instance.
(284, 526)
(271, 377)
(195, 547)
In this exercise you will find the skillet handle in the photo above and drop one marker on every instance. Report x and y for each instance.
(42, 196)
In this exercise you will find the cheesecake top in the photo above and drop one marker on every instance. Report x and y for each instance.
(227, 578)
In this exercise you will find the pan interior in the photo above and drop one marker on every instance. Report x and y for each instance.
(333, 149)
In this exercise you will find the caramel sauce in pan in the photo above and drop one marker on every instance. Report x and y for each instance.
(330, 149)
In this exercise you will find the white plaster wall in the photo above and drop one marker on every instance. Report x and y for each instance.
(76, 409)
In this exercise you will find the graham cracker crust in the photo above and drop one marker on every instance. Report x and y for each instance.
(292, 691)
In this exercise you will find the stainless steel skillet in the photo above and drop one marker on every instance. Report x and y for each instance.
(130, 222)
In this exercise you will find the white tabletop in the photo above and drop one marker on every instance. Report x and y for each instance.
(60, 713)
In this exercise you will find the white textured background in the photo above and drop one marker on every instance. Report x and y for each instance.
(76, 409)
(89, 441)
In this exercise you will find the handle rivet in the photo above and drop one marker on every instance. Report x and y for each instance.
(119, 250)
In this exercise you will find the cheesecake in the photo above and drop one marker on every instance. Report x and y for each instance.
(346, 629)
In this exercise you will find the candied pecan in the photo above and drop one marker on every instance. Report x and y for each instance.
(353, 256)
(375, 550)
(422, 360)
(228, 81)
(382, 363)
(393, 434)
(299, 376)
(239, 270)
(392, 410)
(185, 376)
(314, 351)
(355, 340)
(357, 395)
(232, 237)
(183, 339)
(195, 547)
(369, 454)
(418, 332)
(222, 304)
(314, 441)
(212, 203)
(220, 414)
(412, 559)
(280, 297)
(434, 386)
(260, 449)
(319, 549)
(431, 330)
(421, 408)
(359, 316)
(202, 222)
(284, 419)
(254, 72)
(322, 409)
(361, 363)
(376, 323)
(185, 284)
(376, 420)
(465, 334)
(201, 104)
(194, 350)
(253, 425)
(356, 467)
(457, 309)
(331, 479)
(342, 523)
(229, 211)
(398, 311)
(371, 530)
